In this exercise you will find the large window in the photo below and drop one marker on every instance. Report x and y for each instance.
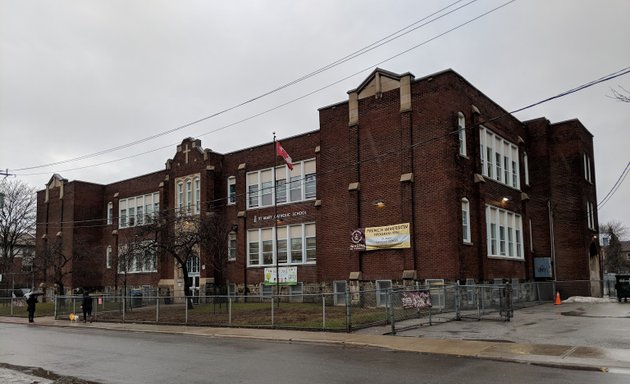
(138, 210)
(504, 233)
(466, 221)
(296, 244)
(291, 186)
(140, 260)
(188, 195)
(499, 158)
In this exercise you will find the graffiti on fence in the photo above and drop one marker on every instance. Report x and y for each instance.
(416, 299)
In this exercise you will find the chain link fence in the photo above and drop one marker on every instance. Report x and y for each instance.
(396, 307)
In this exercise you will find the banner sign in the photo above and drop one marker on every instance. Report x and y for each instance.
(288, 276)
(416, 299)
(374, 238)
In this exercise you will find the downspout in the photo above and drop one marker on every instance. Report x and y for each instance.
(552, 241)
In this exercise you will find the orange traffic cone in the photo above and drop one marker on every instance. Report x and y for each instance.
(558, 298)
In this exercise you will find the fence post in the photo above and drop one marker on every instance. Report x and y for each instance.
(272, 311)
(55, 298)
(124, 305)
(230, 310)
(348, 312)
(186, 312)
(323, 312)
(157, 309)
(458, 315)
(392, 318)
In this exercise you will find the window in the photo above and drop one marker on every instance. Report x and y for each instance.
(466, 221)
(122, 216)
(231, 246)
(296, 292)
(505, 235)
(588, 175)
(266, 178)
(500, 159)
(188, 196)
(140, 260)
(291, 186)
(590, 215)
(526, 168)
(340, 287)
(253, 247)
(108, 257)
(110, 213)
(231, 190)
(192, 265)
(461, 129)
(382, 290)
(310, 185)
(138, 210)
(197, 183)
(295, 244)
(311, 248)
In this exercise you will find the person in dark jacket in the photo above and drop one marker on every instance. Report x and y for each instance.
(31, 300)
(87, 306)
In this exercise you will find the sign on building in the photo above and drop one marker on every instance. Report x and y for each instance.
(374, 238)
(288, 276)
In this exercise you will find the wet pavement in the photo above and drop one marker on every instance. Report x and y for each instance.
(581, 335)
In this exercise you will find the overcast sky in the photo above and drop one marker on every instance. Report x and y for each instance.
(80, 77)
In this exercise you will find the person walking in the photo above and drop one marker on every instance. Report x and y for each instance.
(87, 306)
(31, 300)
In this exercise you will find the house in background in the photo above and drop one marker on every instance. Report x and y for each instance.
(408, 180)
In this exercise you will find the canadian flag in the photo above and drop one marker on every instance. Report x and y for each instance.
(284, 154)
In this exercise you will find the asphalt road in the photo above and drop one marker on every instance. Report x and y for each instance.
(126, 357)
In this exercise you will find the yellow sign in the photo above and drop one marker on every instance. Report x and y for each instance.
(388, 237)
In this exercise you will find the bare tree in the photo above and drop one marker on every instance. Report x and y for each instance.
(185, 237)
(615, 262)
(623, 95)
(17, 219)
(135, 254)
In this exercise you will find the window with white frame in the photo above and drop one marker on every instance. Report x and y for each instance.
(110, 213)
(466, 221)
(461, 129)
(499, 158)
(188, 195)
(291, 186)
(231, 246)
(504, 233)
(140, 260)
(296, 244)
(138, 210)
(590, 215)
(588, 175)
(231, 187)
(108, 257)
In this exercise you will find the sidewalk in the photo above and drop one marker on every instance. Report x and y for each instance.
(581, 353)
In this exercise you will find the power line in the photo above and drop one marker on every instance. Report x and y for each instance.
(387, 39)
(285, 103)
(615, 187)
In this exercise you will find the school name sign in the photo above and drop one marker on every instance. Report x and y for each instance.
(375, 238)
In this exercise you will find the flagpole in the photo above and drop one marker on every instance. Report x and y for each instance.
(275, 216)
